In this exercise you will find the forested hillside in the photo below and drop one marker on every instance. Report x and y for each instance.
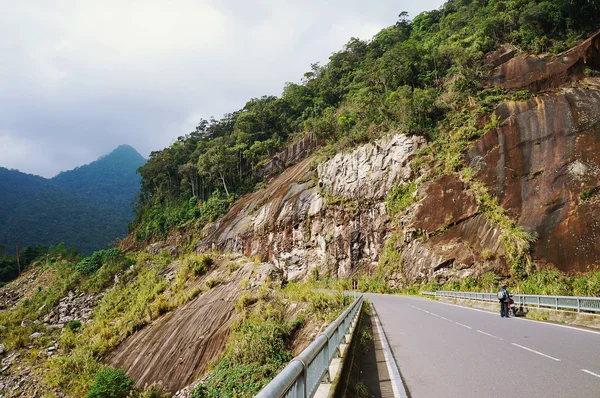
(87, 208)
(111, 180)
(408, 78)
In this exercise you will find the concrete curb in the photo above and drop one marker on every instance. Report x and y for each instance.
(392, 366)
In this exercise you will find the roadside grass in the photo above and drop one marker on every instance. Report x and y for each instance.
(547, 281)
(259, 345)
(136, 293)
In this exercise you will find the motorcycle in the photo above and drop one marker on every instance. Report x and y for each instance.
(513, 307)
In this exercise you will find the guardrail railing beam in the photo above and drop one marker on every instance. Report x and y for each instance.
(311, 368)
(591, 304)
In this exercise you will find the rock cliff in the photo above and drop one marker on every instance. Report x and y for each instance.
(331, 218)
(539, 162)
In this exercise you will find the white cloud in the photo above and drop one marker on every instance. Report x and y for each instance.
(79, 77)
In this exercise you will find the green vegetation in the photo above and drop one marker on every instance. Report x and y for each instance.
(30, 257)
(400, 197)
(587, 194)
(88, 207)
(409, 77)
(91, 264)
(111, 383)
(74, 326)
(547, 281)
(260, 343)
(198, 264)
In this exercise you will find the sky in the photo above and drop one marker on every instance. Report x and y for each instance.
(80, 77)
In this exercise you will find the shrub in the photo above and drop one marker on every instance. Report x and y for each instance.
(74, 326)
(154, 391)
(256, 351)
(212, 282)
(91, 264)
(587, 193)
(199, 264)
(110, 383)
(244, 301)
(400, 197)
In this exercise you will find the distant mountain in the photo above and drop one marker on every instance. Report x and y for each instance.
(87, 207)
(111, 180)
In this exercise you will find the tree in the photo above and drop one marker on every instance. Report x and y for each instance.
(219, 161)
(189, 172)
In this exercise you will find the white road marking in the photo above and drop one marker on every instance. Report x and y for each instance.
(487, 334)
(426, 311)
(591, 373)
(536, 352)
(518, 318)
(396, 380)
(464, 326)
(446, 319)
(431, 313)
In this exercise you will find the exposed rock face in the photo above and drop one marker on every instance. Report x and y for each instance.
(537, 73)
(291, 155)
(15, 291)
(538, 162)
(178, 347)
(444, 203)
(18, 380)
(334, 225)
(456, 240)
(369, 172)
(502, 55)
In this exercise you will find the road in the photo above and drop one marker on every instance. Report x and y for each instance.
(444, 350)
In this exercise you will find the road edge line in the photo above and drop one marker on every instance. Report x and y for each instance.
(392, 366)
(518, 318)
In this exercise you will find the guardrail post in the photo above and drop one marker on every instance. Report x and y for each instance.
(304, 377)
(538, 297)
(578, 304)
(556, 302)
(325, 354)
(327, 378)
(301, 389)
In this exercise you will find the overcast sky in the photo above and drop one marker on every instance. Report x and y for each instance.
(78, 77)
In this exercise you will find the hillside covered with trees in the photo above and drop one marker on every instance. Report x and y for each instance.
(410, 77)
(88, 207)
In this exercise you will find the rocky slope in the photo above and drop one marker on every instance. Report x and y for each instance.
(539, 162)
(331, 218)
(178, 347)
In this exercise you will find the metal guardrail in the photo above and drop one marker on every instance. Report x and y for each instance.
(591, 304)
(302, 376)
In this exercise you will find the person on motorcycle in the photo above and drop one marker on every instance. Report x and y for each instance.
(504, 298)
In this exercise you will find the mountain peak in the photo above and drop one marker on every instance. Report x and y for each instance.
(123, 150)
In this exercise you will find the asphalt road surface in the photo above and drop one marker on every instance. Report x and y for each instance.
(443, 350)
